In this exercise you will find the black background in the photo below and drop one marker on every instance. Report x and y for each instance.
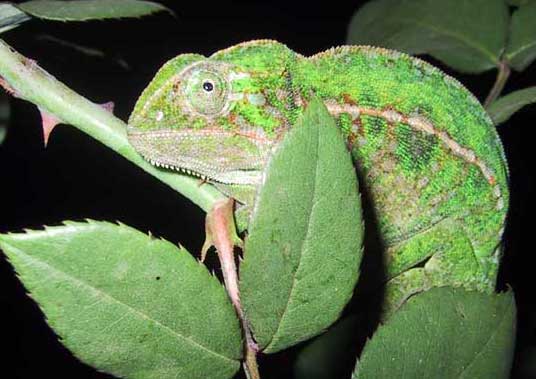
(76, 178)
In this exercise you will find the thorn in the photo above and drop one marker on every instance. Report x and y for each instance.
(49, 122)
(10, 90)
(109, 106)
(29, 62)
(206, 246)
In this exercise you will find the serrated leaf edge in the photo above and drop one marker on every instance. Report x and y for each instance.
(35, 261)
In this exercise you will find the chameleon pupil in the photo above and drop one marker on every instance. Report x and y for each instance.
(208, 86)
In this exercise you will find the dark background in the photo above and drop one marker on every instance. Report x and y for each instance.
(77, 178)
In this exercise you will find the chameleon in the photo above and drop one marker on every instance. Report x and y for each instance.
(427, 155)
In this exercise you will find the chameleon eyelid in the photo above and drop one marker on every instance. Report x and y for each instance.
(216, 98)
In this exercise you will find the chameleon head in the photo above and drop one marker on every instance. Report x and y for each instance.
(195, 117)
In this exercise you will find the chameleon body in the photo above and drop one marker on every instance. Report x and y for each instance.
(426, 152)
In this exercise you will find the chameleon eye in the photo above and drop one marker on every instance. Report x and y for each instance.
(207, 92)
(208, 86)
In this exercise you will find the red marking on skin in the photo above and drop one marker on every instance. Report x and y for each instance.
(359, 125)
(253, 135)
(352, 136)
(391, 130)
(49, 122)
(350, 141)
(443, 136)
(304, 101)
(232, 118)
(392, 108)
(348, 99)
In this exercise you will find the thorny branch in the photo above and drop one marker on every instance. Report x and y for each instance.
(23, 78)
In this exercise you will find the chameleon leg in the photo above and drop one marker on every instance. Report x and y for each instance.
(449, 259)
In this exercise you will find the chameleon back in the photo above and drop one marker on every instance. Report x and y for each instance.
(424, 148)
(423, 145)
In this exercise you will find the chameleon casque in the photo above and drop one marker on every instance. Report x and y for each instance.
(426, 152)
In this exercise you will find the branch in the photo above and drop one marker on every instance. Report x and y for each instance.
(498, 86)
(30, 82)
(220, 232)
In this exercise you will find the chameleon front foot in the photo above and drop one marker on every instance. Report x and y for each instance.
(401, 288)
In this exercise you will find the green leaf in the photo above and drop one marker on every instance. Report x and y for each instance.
(11, 17)
(83, 10)
(521, 49)
(504, 107)
(127, 303)
(303, 251)
(4, 115)
(468, 35)
(444, 333)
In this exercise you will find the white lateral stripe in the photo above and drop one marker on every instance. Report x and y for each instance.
(422, 124)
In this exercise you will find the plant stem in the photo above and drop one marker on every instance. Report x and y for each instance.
(498, 86)
(26, 80)
(220, 231)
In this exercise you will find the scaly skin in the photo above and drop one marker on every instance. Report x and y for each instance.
(425, 150)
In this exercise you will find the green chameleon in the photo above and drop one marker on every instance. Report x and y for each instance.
(426, 153)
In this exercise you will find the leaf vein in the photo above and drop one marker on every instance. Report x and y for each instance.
(99, 293)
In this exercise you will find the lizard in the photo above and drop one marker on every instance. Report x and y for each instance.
(425, 150)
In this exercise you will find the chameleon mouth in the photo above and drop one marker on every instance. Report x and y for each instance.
(175, 168)
(213, 155)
